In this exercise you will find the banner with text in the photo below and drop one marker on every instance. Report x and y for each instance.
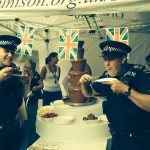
(78, 6)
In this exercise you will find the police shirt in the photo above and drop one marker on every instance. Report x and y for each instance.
(11, 92)
(122, 113)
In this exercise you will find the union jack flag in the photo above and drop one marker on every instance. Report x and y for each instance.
(118, 34)
(26, 34)
(68, 44)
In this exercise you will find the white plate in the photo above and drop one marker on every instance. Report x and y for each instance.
(92, 121)
(47, 119)
(63, 120)
(103, 118)
(105, 80)
(63, 106)
(57, 102)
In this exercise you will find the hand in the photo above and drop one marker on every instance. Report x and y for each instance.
(35, 88)
(85, 78)
(117, 86)
(6, 73)
(18, 116)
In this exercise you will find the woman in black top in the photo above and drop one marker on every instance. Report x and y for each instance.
(29, 129)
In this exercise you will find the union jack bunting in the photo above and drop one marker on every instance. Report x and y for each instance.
(26, 34)
(118, 34)
(68, 44)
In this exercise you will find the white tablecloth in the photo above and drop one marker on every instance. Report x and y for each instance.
(41, 143)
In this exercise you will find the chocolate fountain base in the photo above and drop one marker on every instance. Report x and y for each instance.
(89, 101)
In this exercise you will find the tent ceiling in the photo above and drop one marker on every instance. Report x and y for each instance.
(137, 22)
(134, 14)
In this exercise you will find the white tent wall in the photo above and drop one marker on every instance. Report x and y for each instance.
(140, 45)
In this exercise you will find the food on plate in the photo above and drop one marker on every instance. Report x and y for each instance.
(50, 115)
(44, 110)
(90, 117)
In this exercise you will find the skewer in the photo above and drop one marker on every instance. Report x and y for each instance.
(90, 80)
(17, 75)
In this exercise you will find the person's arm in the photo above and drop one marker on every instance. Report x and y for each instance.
(43, 73)
(59, 72)
(39, 86)
(139, 99)
(26, 81)
(86, 87)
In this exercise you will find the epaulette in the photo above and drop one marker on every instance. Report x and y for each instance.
(140, 67)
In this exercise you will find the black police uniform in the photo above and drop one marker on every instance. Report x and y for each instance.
(127, 121)
(11, 92)
(129, 124)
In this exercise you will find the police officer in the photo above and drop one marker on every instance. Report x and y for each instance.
(128, 97)
(11, 93)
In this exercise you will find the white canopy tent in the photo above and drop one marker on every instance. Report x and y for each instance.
(92, 17)
(70, 7)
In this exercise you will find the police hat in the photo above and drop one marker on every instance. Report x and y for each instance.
(114, 49)
(9, 42)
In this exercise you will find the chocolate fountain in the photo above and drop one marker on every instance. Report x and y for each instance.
(78, 66)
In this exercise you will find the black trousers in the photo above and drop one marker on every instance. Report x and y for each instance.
(131, 141)
(51, 96)
(10, 136)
